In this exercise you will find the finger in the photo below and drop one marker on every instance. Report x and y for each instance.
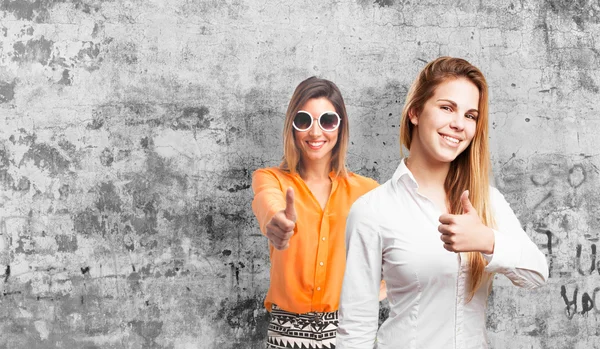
(449, 247)
(447, 239)
(290, 211)
(277, 242)
(282, 222)
(279, 247)
(466, 203)
(447, 219)
(446, 229)
(280, 234)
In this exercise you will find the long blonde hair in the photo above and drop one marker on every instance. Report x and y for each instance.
(471, 169)
(310, 88)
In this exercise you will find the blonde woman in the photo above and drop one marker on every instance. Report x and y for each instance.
(301, 206)
(437, 231)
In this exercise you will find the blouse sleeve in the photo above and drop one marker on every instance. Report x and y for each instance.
(359, 301)
(515, 255)
(268, 197)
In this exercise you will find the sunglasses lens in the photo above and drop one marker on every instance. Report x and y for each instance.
(329, 121)
(302, 121)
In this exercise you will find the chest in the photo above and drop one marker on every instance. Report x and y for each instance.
(413, 253)
(320, 190)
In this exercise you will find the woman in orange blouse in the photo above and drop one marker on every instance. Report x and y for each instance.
(301, 207)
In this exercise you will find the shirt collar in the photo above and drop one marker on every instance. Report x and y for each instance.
(403, 174)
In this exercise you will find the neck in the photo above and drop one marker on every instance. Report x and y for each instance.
(315, 170)
(427, 173)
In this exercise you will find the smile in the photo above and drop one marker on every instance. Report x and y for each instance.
(451, 140)
(315, 145)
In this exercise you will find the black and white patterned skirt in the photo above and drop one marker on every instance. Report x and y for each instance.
(309, 330)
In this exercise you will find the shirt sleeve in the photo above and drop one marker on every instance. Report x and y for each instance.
(359, 301)
(268, 197)
(515, 255)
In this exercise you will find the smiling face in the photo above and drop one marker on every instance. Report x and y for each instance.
(316, 145)
(447, 123)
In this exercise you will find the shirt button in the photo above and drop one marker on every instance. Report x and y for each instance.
(321, 263)
(318, 288)
(323, 239)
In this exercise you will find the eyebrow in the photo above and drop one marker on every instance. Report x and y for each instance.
(455, 105)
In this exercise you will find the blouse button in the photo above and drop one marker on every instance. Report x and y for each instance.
(318, 288)
(321, 263)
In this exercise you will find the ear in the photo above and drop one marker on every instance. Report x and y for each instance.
(412, 115)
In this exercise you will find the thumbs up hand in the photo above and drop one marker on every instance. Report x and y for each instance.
(466, 232)
(280, 228)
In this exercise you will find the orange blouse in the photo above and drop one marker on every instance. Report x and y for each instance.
(307, 276)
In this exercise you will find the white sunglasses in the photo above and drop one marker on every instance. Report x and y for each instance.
(328, 121)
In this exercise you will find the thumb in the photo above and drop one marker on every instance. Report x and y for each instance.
(466, 203)
(290, 211)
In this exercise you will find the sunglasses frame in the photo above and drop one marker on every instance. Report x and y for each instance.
(312, 121)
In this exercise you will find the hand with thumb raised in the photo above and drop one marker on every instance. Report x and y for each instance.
(280, 228)
(466, 232)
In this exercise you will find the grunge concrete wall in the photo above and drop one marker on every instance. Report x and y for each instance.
(129, 131)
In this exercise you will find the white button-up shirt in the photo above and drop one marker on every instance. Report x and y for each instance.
(392, 233)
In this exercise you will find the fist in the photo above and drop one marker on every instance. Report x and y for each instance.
(280, 228)
(465, 232)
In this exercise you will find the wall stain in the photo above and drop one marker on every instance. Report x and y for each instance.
(580, 11)
(148, 330)
(34, 50)
(39, 10)
(27, 10)
(66, 78)
(25, 244)
(47, 157)
(246, 318)
(22, 185)
(7, 91)
(192, 118)
(88, 222)
(6, 273)
(384, 3)
(89, 55)
(106, 157)
(108, 198)
(66, 243)
(97, 121)
(235, 180)
(587, 83)
(64, 191)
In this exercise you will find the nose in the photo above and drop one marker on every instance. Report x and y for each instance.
(315, 129)
(458, 122)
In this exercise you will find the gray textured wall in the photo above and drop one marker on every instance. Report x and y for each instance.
(129, 131)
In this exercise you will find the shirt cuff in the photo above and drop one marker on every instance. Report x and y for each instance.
(505, 256)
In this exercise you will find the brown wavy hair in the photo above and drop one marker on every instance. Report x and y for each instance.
(472, 168)
(310, 88)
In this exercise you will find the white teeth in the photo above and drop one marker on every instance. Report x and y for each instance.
(453, 140)
(316, 144)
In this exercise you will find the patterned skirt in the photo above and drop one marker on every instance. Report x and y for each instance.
(309, 330)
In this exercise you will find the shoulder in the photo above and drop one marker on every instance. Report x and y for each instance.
(270, 177)
(364, 218)
(368, 202)
(270, 172)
